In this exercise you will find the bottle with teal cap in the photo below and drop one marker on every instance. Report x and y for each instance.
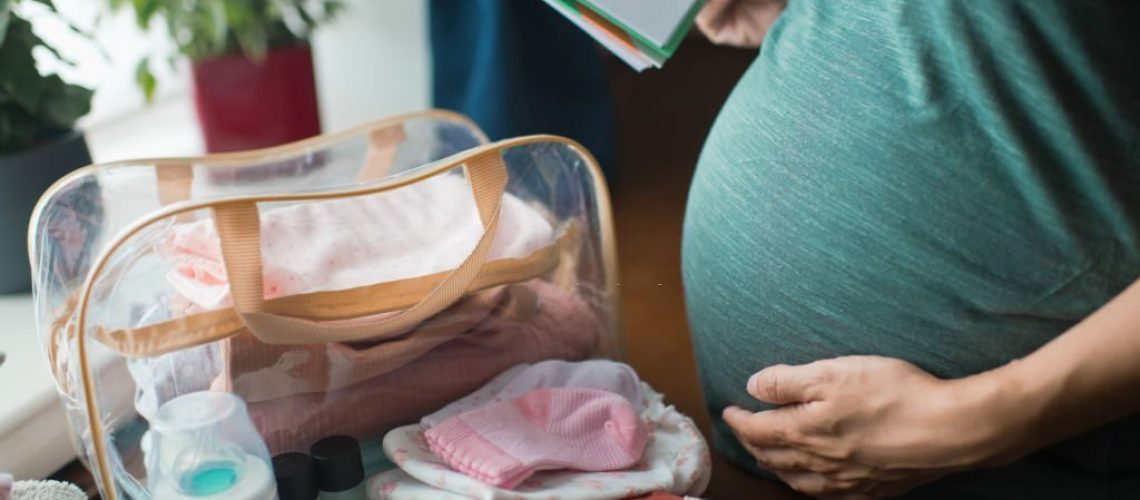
(202, 446)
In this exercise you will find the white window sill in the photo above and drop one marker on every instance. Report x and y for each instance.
(166, 128)
(34, 434)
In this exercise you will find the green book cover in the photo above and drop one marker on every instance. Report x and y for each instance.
(650, 35)
(610, 35)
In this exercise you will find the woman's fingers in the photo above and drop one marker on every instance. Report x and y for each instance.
(711, 17)
(742, 23)
(790, 460)
(851, 427)
(766, 429)
(816, 484)
(783, 384)
(848, 496)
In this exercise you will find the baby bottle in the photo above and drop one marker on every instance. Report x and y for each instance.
(203, 446)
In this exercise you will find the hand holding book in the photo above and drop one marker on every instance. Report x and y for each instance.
(740, 23)
(645, 33)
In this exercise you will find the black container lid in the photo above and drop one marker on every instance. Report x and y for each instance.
(296, 476)
(339, 464)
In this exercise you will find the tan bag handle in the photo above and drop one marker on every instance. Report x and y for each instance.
(176, 178)
(239, 231)
(378, 298)
(383, 144)
(174, 181)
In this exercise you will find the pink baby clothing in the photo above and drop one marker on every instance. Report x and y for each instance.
(548, 429)
(262, 372)
(600, 374)
(558, 325)
(416, 230)
(5, 486)
(675, 460)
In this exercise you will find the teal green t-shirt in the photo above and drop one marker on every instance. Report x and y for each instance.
(953, 183)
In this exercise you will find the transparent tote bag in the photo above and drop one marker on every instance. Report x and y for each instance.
(342, 285)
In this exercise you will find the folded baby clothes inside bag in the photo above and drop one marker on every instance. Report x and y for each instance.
(535, 321)
(262, 372)
(300, 392)
(417, 230)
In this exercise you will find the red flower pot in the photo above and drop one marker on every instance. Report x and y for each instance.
(247, 105)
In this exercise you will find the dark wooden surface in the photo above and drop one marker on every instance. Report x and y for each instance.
(77, 474)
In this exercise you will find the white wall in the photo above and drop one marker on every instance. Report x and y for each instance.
(372, 62)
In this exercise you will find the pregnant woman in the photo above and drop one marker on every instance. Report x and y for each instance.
(912, 248)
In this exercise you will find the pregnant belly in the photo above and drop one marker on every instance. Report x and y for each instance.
(834, 215)
(791, 263)
(779, 268)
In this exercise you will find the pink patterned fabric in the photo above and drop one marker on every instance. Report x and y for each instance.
(425, 228)
(502, 444)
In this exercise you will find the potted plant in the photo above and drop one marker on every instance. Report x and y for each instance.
(251, 65)
(38, 139)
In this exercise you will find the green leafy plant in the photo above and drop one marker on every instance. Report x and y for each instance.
(204, 29)
(33, 106)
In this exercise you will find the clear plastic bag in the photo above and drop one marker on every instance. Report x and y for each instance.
(347, 284)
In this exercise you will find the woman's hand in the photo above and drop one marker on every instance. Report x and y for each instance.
(740, 23)
(870, 427)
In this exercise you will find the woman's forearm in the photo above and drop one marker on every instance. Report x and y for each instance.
(1088, 376)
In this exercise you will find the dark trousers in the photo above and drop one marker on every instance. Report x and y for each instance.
(517, 67)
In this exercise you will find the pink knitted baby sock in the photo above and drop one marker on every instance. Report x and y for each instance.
(564, 428)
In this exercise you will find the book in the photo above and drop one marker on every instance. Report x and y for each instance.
(642, 33)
